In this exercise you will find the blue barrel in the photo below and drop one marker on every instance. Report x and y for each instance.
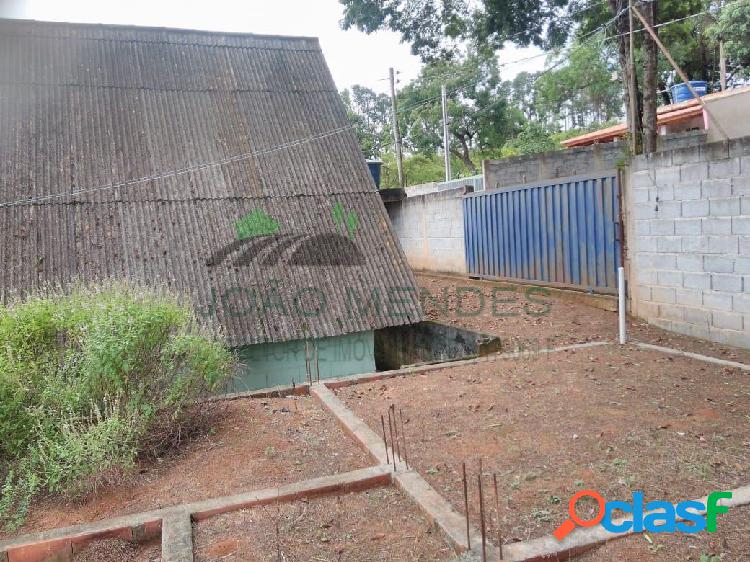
(375, 168)
(680, 92)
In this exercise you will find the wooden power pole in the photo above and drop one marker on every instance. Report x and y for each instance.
(446, 135)
(396, 132)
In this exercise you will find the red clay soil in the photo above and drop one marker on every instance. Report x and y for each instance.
(527, 318)
(255, 444)
(377, 525)
(118, 550)
(730, 543)
(610, 419)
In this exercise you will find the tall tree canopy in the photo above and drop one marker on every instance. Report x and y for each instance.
(433, 28)
(369, 112)
(579, 86)
(732, 26)
(478, 110)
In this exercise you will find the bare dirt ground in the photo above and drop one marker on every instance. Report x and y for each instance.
(118, 550)
(527, 318)
(377, 525)
(253, 444)
(608, 418)
(729, 544)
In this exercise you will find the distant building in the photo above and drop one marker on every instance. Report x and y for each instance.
(219, 165)
(730, 107)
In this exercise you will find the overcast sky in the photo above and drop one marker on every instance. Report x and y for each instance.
(354, 57)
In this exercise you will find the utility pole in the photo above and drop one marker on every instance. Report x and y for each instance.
(396, 132)
(632, 85)
(722, 66)
(446, 135)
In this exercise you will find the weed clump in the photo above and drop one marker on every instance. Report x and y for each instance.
(87, 378)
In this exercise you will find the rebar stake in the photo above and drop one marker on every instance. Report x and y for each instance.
(497, 516)
(403, 436)
(466, 506)
(390, 429)
(395, 430)
(385, 441)
(481, 518)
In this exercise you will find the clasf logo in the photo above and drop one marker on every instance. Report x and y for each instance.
(654, 516)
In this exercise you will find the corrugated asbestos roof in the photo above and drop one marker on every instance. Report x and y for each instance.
(83, 106)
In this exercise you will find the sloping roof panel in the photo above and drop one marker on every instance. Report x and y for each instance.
(88, 107)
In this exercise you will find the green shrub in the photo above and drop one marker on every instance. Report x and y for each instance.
(86, 378)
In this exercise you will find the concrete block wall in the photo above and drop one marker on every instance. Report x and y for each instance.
(549, 165)
(571, 162)
(430, 228)
(688, 213)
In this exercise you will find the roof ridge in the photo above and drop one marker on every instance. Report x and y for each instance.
(155, 29)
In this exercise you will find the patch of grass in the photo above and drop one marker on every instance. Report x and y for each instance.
(701, 470)
(90, 379)
(541, 515)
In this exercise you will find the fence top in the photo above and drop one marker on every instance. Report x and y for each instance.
(545, 183)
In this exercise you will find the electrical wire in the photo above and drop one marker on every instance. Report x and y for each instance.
(332, 132)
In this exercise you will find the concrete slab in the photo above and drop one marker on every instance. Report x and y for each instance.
(177, 537)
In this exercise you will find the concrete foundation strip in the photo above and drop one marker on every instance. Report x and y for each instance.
(452, 523)
(432, 504)
(369, 441)
(177, 537)
(339, 382)
(697, 356)
(583, 539)
(173, 523)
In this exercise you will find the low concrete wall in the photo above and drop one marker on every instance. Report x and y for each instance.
(572, 161)
(430, 228)
(549, 165)
(688, 217)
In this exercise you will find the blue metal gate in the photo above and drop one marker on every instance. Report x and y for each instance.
(561, 232)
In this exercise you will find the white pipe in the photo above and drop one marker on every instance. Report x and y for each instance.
(621, 302)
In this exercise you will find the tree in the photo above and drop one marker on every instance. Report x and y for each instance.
(532, 139)
(433, 28)
(733, 28)
(369, 113)
(650, 80)
(478, 108)
(579, 86)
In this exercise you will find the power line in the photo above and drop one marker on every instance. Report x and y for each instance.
(571, 50)
(178, 172)
(332, 132)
